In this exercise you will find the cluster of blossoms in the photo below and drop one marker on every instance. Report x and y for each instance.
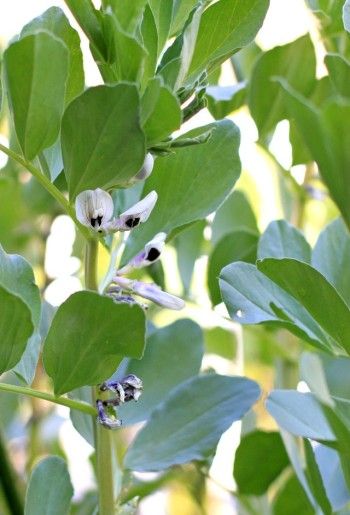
(95, 209)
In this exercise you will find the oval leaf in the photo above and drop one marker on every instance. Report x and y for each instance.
(102, 142)
(191, 183)
(189, 424)
(299, 413)
(172, 342)
(88, 337)
(50, 489)
(36, 69)
(15, 329)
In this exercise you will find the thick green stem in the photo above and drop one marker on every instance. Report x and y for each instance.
(51, 188)
(103, 445)
(8, 482)
(63, 401)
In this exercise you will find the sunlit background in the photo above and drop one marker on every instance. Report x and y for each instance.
(286, 20)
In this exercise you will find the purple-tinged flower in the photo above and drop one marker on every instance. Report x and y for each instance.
(94, 209)
(135, 215)
(147, 256)
(151, 292)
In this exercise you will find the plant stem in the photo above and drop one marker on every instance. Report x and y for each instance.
(51, 188)
(63, 401)
(102, 436)
(8, 482)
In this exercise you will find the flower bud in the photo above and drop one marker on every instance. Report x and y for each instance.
(146, 168)
(147, 256)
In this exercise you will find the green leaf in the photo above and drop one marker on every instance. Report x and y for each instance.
(299, 414)
(150, 42)
(128, 14)
(160, 112)
(50, 489)
(189, 424)
(225, 27)
(346, 15)
(162, 12)
(26, 367)
(88, 337)
(51, 161)
(188, 246)
(340, 428)
(251, 298)
(332, 476)
(17, 277)
(109, 146)
(292, 499)
(259, 460)
(89, 20)
(235, 246)
(191, 183)
(315, 480)
(169, 344)
(55, 21)
(15, 329)
(339, 72)
(331, 256)
(281, 240)
(235, 214)
(326, 132)
(181, 11)
(310, 288)
(82, 422)
(125, 52)
(265, 97)
(223, 100)
(36, 69)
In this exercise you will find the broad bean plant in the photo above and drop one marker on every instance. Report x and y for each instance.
(152, 195)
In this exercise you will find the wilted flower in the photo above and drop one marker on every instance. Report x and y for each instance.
(94, 209)
(147, 256)
(136, 214)
(146, 169)
(129, 388)
(110, 420)
(151, 292)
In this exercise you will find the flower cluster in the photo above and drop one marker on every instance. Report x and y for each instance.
(95, 209)
(129, 388)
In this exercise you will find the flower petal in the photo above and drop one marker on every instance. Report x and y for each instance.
(93, 206)
(136, 214)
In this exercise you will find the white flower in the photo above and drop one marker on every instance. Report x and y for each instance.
(94, 209)
(136, 214)
(151, 292)
(147, 256)
(146, 169)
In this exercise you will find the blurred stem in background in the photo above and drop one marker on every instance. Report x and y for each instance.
(8, 482)
(103, 443)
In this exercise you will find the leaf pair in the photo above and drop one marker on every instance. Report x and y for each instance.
(288, 291)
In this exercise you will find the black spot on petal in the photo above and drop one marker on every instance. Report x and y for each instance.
(153, 254)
